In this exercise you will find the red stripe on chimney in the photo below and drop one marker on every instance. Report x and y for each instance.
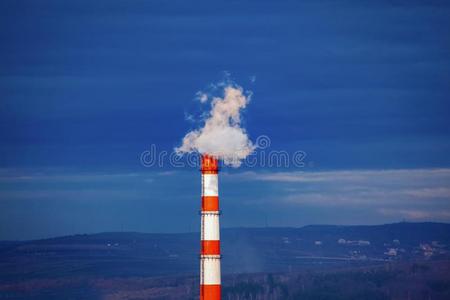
(210, 203)
(210, 292)
(210, 247)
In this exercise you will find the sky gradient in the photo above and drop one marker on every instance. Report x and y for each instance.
(361, 87)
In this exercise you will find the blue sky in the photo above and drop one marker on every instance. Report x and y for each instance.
(361, 87)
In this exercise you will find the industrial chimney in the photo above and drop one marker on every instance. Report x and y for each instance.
(210, 230)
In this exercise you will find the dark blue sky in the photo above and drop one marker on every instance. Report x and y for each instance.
(362, 87)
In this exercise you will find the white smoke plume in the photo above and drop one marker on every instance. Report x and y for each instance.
(221, 135)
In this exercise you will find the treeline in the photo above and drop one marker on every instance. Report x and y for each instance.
(410, 281)
(427, 280)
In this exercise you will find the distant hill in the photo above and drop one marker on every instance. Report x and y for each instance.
(244, 250)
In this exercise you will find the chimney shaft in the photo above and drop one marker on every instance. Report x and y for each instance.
(210, 285)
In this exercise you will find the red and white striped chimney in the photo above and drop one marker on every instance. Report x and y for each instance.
(210, 231)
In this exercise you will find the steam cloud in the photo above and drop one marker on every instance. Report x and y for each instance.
(221, 135)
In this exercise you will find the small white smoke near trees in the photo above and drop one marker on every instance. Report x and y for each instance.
(221, 134)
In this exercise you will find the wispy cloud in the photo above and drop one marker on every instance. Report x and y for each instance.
(355, 175)
(287, 198)
(24, 175)
(416, 215)
(417, 194)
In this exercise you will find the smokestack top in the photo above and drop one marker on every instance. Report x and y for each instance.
(210, 164)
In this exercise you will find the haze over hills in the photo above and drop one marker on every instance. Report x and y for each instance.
(244, 250)
(268, 263)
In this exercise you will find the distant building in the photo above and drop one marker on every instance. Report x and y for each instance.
(427, 250)
(437, 244)
(363, 243)
(286, 240)
(342, 241)
(391, 252)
